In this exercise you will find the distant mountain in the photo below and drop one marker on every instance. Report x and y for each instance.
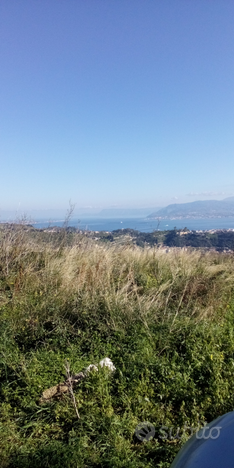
(197, 209)
(126, 212)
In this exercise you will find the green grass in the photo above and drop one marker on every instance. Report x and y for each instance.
(165, 320)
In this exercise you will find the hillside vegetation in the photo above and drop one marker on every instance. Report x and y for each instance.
(165, 320)
(220, 240)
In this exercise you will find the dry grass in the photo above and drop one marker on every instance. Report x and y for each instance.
(128, 282)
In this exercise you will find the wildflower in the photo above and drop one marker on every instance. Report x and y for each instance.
(106, 362)
(90, 368)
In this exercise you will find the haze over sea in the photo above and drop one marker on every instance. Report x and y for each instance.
(141, 224)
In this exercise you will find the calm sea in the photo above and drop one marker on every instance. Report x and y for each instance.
(141, 224)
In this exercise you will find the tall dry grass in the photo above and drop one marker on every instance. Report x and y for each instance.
(149, 280)
(125, 283)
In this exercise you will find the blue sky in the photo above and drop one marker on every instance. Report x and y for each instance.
(121, 103)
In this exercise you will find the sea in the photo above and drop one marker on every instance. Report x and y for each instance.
(140, 224)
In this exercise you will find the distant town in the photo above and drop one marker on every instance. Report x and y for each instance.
(220, 240)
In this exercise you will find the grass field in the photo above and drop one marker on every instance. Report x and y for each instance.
(165, 320)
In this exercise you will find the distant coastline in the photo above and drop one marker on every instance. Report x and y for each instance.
(141, 224)
(192, 217)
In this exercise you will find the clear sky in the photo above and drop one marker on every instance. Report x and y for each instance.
(116, 102)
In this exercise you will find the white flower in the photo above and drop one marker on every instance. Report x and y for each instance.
(91, 368)
(106, 362)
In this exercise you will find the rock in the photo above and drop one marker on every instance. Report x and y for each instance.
(55, 392)
(58, 390)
